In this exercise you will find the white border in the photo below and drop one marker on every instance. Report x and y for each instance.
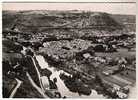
(70, 0)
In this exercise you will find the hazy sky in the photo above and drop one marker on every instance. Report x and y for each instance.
(114, 8)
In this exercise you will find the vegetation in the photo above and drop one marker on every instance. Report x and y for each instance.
(11, 46)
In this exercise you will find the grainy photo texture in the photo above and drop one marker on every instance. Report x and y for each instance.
(69, 50)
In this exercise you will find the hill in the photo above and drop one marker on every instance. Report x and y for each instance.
(66, 22)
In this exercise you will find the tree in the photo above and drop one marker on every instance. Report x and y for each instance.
(99, 48)
(36, 45)
(29, 52)
(98, 80)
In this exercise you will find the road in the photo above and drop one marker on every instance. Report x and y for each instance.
(38, 73)
(16, 88)
(42, 80)
(41, 89)
(35, 86)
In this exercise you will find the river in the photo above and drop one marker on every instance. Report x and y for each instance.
(60, 83)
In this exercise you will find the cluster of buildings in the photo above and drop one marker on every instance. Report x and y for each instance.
(114, 72)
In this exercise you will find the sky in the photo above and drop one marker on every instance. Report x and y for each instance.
(113, 8)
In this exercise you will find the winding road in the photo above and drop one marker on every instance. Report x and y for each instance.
(35, 86)
(16, 88)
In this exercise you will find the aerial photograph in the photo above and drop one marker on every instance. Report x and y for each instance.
(69, 50)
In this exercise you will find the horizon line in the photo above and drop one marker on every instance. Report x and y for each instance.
(68, 10)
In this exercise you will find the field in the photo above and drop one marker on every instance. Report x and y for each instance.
(112, 80)
(121, 53)
(129, 74)
(128, 78)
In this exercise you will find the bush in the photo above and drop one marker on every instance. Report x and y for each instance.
(29, 52)
(99, 48)
(12, 46)
(36, 45)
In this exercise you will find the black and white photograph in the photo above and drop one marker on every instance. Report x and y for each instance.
(69, 50)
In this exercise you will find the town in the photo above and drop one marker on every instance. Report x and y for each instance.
(68, 54)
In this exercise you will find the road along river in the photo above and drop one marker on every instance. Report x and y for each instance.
(60, 83)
